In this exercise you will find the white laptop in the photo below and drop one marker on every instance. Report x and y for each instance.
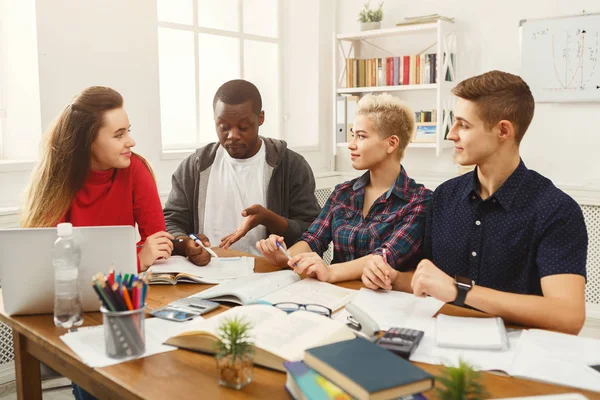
(27, 275)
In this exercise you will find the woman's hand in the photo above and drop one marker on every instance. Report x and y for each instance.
(158, 245)
(312, 265)
(270, 251)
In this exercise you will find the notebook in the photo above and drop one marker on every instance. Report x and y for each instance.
(471, 333)
(179, 269)
(367, 371)
(278, 336)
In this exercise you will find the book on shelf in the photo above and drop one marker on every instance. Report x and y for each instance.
(277, 335)
(178, 269)
(424, 19)
(367, 371)
(417, 69)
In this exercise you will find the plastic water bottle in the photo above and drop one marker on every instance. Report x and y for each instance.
(66, 256)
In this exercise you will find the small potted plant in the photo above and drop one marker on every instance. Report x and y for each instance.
(461, 383)
(370, 19)
(234, 353)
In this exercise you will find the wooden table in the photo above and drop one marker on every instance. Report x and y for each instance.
(183, 374)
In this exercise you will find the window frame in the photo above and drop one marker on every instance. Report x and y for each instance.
(185, 148)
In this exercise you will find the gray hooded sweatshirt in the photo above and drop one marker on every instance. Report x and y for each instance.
(288, 178)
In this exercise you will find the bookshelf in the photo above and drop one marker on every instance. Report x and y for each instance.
(435, 40)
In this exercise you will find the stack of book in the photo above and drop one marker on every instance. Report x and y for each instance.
(355, 368)
(424, 19)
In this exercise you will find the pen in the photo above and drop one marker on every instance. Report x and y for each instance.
(210, 251)
(284, 251)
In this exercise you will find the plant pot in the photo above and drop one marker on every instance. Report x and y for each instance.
(234, 373)
(367, 26)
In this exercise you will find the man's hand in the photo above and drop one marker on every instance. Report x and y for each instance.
(158, 245)
(430, 280)
(312, 265)
(378, 274)
(269, 250)
(196, 253)
(253, 216)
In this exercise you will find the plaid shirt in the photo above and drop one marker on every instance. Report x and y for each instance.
(396, 222)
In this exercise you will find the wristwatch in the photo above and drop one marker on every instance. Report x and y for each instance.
(463, 285)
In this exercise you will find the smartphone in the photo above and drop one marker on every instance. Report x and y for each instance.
(173, 314)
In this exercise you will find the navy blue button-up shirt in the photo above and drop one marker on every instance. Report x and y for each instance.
(526, 230)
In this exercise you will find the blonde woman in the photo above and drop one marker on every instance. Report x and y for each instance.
(89, 176)
(376, 221)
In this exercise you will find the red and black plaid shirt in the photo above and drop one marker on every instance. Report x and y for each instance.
(396, 222)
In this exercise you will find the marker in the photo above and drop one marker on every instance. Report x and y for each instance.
(210, 251)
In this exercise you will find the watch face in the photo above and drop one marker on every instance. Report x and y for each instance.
(463, 280)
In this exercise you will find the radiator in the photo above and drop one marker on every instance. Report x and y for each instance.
(592, 222)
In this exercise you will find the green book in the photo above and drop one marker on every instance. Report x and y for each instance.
(367, 371)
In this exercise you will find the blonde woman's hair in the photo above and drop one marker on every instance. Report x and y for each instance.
(65, 157)
(390, 116)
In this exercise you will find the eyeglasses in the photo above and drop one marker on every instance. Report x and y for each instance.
(290, 307)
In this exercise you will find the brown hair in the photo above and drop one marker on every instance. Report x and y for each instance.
(499, 95)
(390, 116)
(65, 157)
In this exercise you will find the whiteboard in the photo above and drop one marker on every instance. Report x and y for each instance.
(559, 58)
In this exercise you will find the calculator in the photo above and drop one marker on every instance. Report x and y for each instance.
(401, 341)
(195, 305)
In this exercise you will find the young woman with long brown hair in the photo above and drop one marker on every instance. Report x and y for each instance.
(89, 176)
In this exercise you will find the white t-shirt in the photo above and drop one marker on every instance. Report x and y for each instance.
(234, 185)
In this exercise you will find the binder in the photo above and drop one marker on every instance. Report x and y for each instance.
(351, 105)
(340, 117)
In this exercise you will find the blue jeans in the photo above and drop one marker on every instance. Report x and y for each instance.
(81, 394)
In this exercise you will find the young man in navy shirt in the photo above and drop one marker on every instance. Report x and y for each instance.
(501, 239)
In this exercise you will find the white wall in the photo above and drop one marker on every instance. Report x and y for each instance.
(563, 141)
(115, 43)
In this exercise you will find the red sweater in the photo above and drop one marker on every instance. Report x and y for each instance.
(123, 196)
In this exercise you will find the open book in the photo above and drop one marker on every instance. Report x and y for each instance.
(277, 335)
(180, 269)
(277, 287)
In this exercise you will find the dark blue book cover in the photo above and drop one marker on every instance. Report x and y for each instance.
(372, 368)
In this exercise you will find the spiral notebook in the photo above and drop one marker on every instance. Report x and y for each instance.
(471, 333)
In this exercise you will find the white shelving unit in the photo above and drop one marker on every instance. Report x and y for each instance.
(440, 35)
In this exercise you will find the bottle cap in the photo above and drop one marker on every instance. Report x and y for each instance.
(64, 229)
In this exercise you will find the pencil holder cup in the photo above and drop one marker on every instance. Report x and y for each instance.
(124, 333)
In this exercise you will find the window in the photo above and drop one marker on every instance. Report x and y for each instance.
(202, 44)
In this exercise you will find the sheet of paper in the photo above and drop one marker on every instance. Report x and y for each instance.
(554, 370)
(561, 346)
(398, 309)
(312, 291)
(88, 342)
(217, 268)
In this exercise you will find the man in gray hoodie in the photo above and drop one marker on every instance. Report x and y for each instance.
(241, 189)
